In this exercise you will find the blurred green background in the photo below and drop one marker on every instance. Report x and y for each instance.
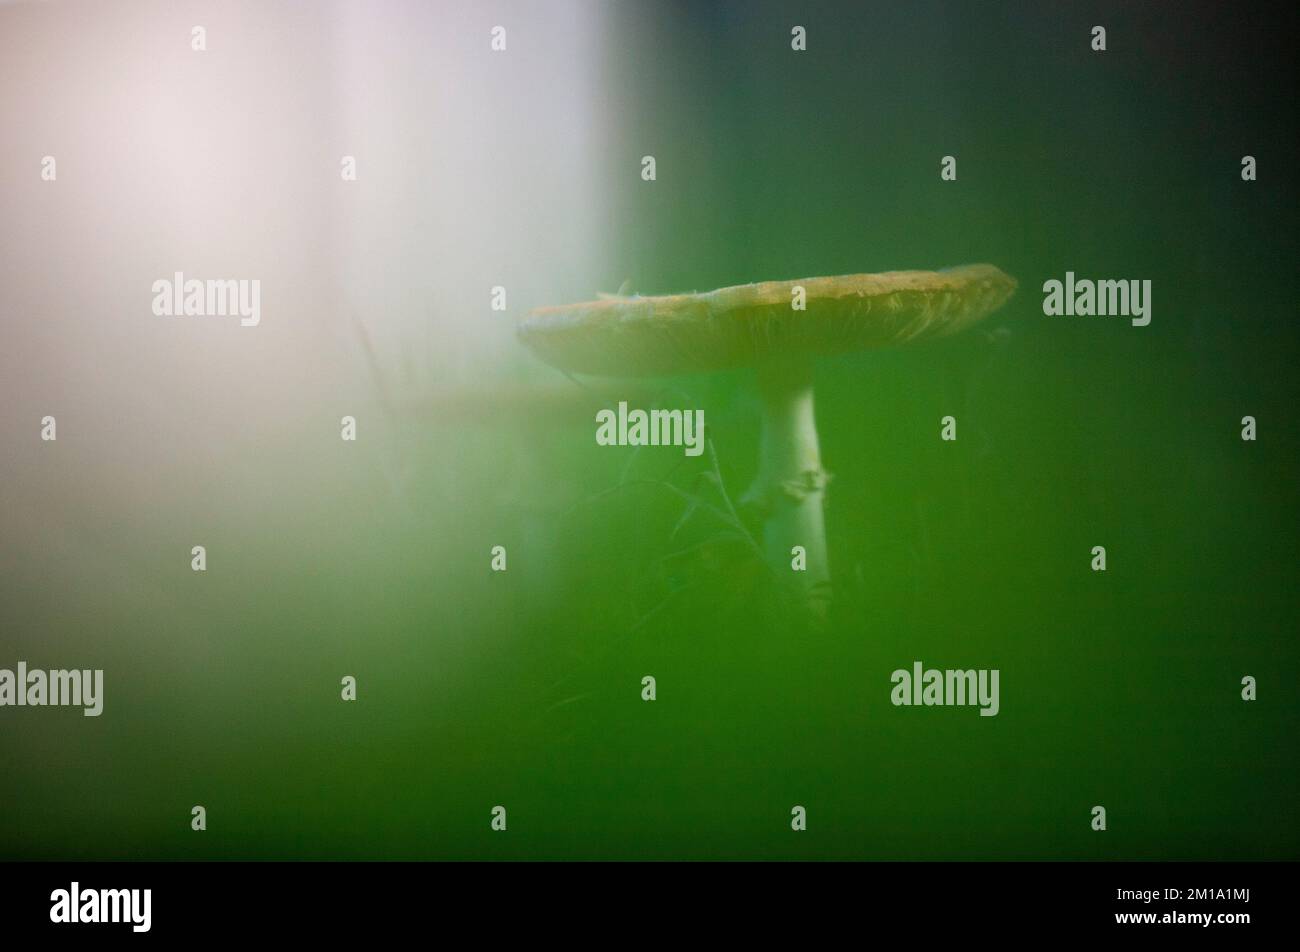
(522, 688)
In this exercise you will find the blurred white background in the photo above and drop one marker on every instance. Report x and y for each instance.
(474, 168)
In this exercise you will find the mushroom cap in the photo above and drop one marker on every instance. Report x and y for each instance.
(744, 325)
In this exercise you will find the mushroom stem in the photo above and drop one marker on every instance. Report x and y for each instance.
(791, 483)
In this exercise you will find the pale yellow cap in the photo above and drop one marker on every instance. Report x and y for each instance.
(747, 324)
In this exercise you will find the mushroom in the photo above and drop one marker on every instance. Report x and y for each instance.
(759, 325)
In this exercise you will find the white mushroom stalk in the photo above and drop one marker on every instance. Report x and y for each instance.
(790, 487)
